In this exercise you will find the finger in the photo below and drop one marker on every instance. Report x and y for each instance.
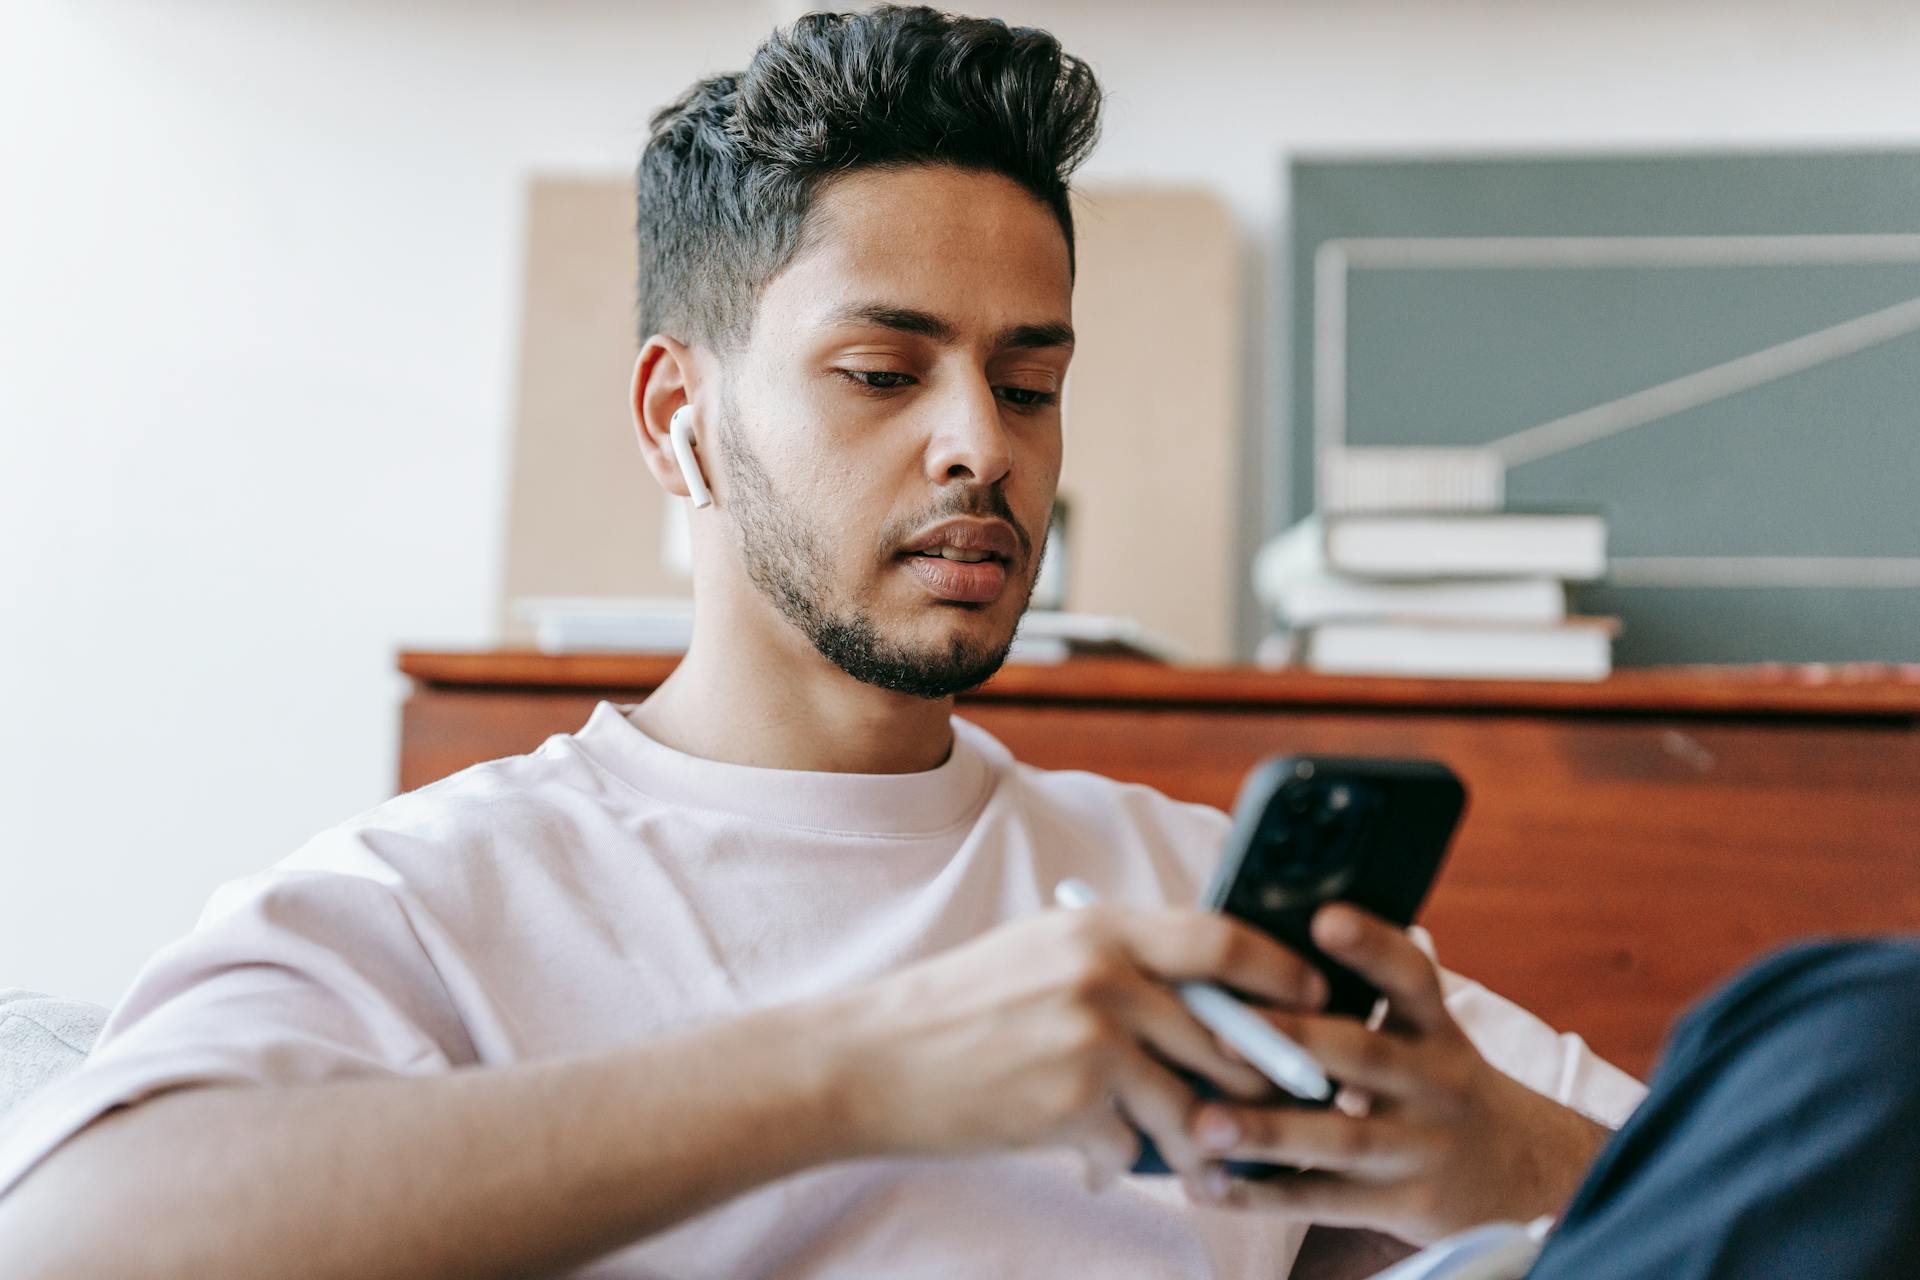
(1371, 1149)
(1325, 1199)
(1209, 1186)
(1164, 1025)
(1158, 1102)
(1382, 1063)
(1108, 1147)
(1175, 944)
(1387, 957)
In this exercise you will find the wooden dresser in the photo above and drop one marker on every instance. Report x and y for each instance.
(1627, 843)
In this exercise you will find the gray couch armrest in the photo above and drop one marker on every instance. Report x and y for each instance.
(41, 1039)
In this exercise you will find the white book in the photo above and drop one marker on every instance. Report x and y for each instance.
(1291, 577)
(1568, 545)
(560, 637)
(1578, 649)
(608, 624)
(1093, 633)
(1313, 601)
(1039, 650)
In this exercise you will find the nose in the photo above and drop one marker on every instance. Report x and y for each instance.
(969, 440)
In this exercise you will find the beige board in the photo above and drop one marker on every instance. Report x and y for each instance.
(584, 517)
(1152, 413)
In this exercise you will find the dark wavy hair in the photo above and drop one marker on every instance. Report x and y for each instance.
(728, 177)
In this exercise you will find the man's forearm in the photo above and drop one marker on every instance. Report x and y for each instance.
(484, 1172)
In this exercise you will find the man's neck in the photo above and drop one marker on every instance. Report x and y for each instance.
(748, 695)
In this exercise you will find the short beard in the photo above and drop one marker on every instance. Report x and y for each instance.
(784, 559)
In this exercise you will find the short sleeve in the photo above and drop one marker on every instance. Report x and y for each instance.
(1556, 1063)
(291, 977)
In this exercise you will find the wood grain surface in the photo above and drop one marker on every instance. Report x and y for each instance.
(1746, 691)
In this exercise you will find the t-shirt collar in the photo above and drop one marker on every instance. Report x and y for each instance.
(879, 804)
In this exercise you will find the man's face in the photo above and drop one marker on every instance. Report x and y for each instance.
(890, 434)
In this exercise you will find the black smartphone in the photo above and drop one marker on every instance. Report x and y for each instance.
(1309, 830)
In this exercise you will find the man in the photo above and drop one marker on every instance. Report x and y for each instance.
(758, 977)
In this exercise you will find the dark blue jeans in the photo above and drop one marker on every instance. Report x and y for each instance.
(1781, 1139)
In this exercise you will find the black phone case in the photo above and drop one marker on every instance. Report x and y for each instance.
(1284, 861)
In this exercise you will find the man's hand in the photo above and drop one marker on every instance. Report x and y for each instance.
(1048, 1030)
(1448, 1141)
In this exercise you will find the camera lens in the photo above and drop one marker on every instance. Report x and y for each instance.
(1308, 840)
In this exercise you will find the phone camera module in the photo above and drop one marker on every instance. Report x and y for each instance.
(1308, 842)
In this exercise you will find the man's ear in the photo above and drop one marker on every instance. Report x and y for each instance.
(663, 382)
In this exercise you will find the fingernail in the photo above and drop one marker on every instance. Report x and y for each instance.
(1334, 928)
(1216, 1184)
(1217, 1131)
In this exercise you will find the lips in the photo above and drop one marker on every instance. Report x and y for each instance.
(979, 583)
(963, 560)
(993, 536)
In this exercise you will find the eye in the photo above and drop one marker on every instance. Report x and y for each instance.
(878, 379)
(1026, 397)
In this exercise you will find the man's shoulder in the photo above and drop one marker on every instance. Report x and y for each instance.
(519, 802)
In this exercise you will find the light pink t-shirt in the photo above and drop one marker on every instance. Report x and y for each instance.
(605, 889)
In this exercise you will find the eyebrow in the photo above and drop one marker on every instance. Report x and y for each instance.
(927, 325)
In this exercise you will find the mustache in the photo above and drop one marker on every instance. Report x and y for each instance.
(985, 502)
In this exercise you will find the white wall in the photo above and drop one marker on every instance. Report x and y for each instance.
(258, 267)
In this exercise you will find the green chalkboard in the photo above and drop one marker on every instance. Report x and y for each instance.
(1722, 352)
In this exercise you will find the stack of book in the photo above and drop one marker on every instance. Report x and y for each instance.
(1470, 594)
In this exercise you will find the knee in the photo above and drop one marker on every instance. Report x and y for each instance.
(1838, 994)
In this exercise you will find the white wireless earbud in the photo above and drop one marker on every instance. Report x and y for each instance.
(680, 432)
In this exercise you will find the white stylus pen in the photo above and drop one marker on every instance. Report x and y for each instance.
(1276, 1056)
